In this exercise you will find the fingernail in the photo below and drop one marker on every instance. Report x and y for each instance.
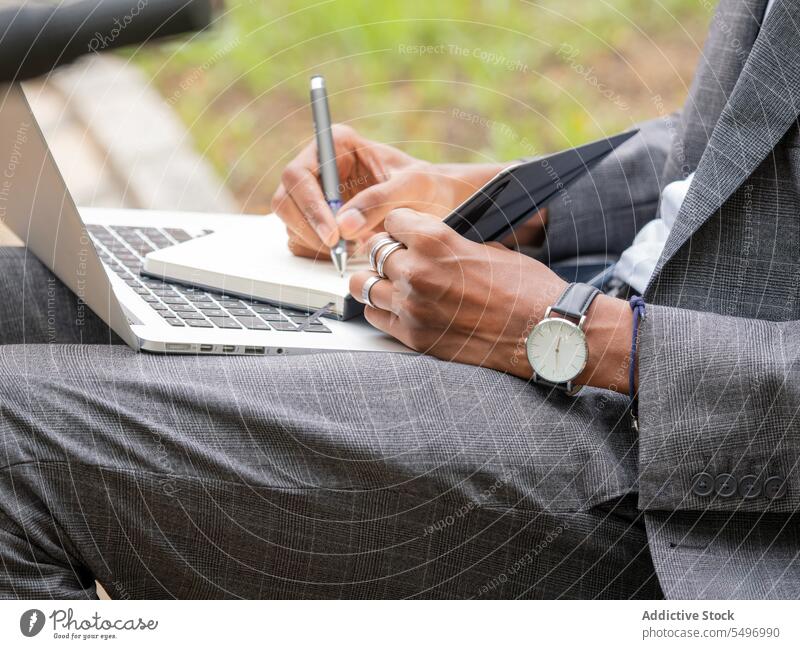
(351, 221)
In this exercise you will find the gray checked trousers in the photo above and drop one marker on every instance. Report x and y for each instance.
(318, 476)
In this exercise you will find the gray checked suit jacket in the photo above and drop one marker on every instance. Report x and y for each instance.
(719, 360)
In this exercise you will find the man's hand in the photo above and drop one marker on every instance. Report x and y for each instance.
(473, 303)
(375, 178)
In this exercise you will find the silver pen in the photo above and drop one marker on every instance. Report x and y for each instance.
(326, 155)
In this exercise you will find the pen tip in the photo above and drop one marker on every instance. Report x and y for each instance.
(339, 259)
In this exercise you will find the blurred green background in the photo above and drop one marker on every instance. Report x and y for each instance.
(451, 80)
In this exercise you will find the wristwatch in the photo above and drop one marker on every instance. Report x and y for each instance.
(556, 347)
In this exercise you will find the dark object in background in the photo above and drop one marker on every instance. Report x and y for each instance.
(37, 37)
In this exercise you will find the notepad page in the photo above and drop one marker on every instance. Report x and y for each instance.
(257, 252)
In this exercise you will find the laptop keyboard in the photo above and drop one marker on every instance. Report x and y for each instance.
(122, 250)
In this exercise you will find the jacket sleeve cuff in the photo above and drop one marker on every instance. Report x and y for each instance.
(719, 413)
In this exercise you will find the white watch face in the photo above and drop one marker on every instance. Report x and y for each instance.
(557, 350)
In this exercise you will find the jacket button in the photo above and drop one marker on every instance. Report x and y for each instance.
(749, 487)
(775, 487)
(702, 484)
(725, 485)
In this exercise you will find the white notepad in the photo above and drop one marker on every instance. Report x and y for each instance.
(254, 261)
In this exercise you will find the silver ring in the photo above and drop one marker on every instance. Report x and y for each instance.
(371, 281)
(380, 243)
(384, 255)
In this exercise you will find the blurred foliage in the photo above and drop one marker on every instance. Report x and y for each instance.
(443, 79)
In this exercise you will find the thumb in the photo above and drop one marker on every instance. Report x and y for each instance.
(367, 209)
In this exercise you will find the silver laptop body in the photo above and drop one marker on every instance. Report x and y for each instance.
(97, 253)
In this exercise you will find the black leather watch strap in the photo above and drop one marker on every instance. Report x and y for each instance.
(575, 300)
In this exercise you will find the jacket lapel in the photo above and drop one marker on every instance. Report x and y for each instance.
(764, 103)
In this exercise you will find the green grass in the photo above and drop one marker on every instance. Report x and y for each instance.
(504, 78)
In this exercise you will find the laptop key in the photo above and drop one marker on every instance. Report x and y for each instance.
(161, 242)
(205, 324)
(264, 308)
(294, 312)
(273, 317)
(186, 308)
(174, 300)
(175, 322)
(254, 323)
(239, 311)
(199, 298)
(232, 304)
(179, 235)
(191, 316)
(160, 307)
(226, 323)
(316, 328)
(283, 326)
(152, 299)
(213, 313)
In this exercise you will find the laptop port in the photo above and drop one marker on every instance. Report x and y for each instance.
(178, 347)
(206, 348)
(229, 349)
(254, 350)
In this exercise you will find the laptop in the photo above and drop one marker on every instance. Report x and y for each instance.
(98, 254)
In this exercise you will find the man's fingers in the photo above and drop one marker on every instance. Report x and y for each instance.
(367, 209)
(296, 224)
(395, 263)
(380, 294)
(300, 248)
(386, 321)
(304, 189)
(412, 228)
